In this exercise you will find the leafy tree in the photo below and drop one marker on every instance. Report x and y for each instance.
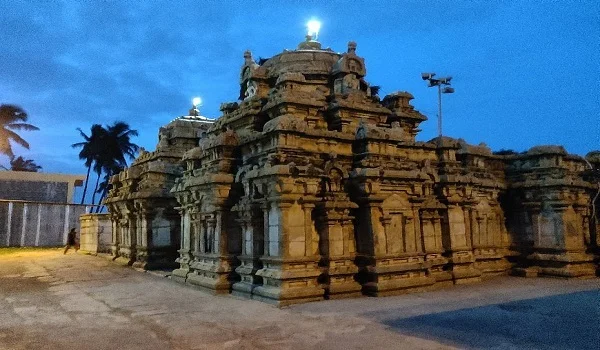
(12, 118)
(21, 164)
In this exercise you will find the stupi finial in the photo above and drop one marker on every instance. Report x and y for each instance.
(352, 47)
(248, 55)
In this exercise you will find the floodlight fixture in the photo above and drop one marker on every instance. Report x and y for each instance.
(446, 90)
(427, 76)
(445, 80)
(314, 27)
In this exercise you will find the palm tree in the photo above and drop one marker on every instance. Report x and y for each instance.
(91, 149)
(105, 151)
(117, 147)
(21, 164)
(104, 186)
(12, 118)
(119, 144)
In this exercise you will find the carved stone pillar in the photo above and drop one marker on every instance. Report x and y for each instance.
(338, 248)
(431, 226)
(127, 246)
(186, 246)
(490, 243)
(290, 265)
(116, 234)
(458, 248)
(144, 235)
(252, 227)
(215, 259)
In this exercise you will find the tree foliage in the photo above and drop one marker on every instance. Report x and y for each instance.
(106, 151)
(21, 164)
(12, 118)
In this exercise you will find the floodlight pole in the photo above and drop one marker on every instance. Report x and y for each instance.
(447, 90)
(439, 111)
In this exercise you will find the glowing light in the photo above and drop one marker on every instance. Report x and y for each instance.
(197, 101)
(313, 28)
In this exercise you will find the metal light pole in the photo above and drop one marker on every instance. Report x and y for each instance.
(439, 82)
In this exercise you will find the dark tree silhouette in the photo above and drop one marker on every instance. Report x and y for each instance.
(118, 147)
(106, 151)
(12, 118)
(22, 164)
(91, 150)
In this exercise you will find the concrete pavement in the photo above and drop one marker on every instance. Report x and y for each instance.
(49, 300)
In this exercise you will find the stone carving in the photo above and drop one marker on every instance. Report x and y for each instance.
(144, 214)
(309, 187)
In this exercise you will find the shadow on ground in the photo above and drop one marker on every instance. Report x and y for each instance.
(567, 321)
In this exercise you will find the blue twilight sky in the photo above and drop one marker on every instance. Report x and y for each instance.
(525, 72)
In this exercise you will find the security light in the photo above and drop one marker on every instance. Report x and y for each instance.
(445, 80)
(431, 82)
(426, 76)
(313, 28)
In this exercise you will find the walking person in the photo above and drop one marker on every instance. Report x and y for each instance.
(71, 241)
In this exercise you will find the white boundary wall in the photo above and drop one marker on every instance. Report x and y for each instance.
(37, 224)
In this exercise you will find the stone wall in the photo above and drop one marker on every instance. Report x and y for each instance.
(95, 233)
(33, 224)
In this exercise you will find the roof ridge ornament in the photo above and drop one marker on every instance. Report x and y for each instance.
(352, 47)
(248, 57)
(311, 43)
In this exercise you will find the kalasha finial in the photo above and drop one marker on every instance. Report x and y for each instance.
(196, 103)
(352, 47)
(311, 42)
(248, 55)
(313, 29)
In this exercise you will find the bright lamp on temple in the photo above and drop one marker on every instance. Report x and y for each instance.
(197, 101)
(313, 28)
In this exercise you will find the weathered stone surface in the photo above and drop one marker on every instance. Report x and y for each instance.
(312, 187)
(145, 221)
(95, 233)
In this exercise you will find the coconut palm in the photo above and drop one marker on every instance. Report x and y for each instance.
(105, 150)
(91, 149)
(104, 186)
(12, 118)
(117, 148)
(22, 164)
(119, 144)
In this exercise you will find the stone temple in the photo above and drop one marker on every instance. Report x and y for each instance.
(311, 187)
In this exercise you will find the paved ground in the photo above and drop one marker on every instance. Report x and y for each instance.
(52, 301)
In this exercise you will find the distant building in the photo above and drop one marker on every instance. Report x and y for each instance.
(39, 187)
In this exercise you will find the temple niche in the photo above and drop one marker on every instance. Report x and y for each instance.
(311, 186)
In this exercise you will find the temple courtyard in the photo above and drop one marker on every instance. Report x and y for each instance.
(53, 301)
